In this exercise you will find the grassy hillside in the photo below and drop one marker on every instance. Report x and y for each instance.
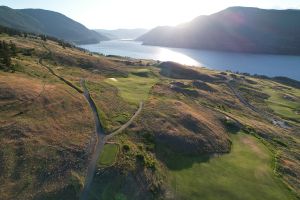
(133, 88)
(245, 173)
(47, 131)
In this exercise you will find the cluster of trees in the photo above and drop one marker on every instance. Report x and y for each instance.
(14, 32)
(10, 31)
(7, 50)
(65, 44)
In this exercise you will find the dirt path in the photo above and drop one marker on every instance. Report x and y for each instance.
(273, 120)
(53, 73)
(123, 127)
(100, 134)
(102, 138)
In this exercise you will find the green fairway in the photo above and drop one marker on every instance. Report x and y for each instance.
(108, 156)
(284, 107)
(245, 173)
(134, 88)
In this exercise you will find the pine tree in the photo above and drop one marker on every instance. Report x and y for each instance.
(6, 59)
(13, 48)
(44, 37)
(5, 54)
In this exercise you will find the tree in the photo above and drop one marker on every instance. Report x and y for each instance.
(43, 37)
(6, 59)
(13, 48)
(5, 55)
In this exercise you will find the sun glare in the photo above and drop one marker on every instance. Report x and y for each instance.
(169, 55)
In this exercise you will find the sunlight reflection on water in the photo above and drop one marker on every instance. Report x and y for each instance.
(270, 65)
(135, 49)
(169, 55)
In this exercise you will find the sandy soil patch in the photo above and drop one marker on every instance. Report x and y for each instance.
(113, 79)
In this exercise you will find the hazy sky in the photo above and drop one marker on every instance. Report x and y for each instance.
(111, 14)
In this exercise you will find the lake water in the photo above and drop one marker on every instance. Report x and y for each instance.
(263, 64)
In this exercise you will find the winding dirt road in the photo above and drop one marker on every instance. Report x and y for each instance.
(53, 73)
(102, 138)
(99, 145)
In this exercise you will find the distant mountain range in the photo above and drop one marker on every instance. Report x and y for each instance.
(49, 23)
(238, 29)
(122, 33)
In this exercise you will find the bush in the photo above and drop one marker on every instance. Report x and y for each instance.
(27, 52)
(126, 147)
(140, 157)
(151, 164)
(231, 126)
(280, 142)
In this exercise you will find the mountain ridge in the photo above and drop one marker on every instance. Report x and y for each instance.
(50, 23)
(237, 29)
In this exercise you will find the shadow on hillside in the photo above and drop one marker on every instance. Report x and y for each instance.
(178, 161)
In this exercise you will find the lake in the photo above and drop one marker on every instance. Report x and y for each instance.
(263, 64)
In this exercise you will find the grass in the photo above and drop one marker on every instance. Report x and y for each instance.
(113, 110)
(134, 88)
(284, 107)
(46, 137)
(246, 173)
(109, 154)
(106, 187)
(46, 106)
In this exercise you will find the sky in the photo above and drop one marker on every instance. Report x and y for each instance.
(113, 14)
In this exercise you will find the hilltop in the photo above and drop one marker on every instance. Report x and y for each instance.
(237, 29)
(200, 132)
(49, 23)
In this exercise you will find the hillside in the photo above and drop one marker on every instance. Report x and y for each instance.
(199, 133)
(238, 29)
(118, 34)
(49, 23)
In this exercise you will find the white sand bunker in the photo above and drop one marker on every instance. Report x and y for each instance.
(113, 79)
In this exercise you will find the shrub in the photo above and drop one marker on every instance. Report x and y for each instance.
(126, 147)
(140, 157)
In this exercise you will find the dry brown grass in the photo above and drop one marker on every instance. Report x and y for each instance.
(45, 130)
(185, 127)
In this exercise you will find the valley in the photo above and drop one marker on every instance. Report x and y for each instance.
(178, 132)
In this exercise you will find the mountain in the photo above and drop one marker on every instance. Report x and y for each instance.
(122, 33)
(49, 23)
(238, 29)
